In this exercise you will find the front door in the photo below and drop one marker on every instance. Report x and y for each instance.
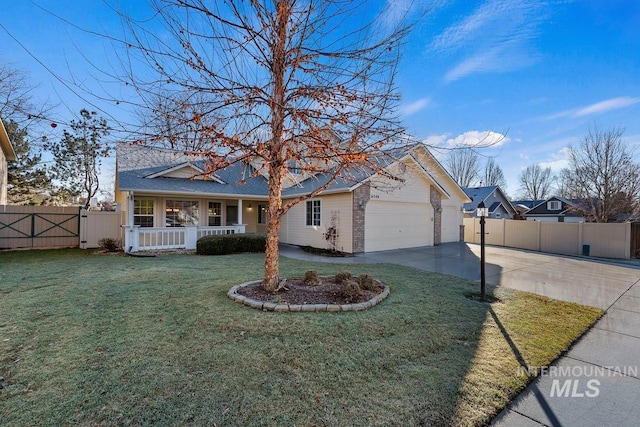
(232, 215)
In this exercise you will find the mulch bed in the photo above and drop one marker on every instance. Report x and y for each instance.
(296, 292)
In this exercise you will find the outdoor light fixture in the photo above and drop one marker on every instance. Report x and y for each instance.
(482, 212)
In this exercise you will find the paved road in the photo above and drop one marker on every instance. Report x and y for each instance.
(597, 383)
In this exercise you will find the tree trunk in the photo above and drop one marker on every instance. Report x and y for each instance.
(271, 258)
(276, 150)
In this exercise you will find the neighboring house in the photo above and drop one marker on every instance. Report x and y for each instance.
(160, 190)
(6, 155)
(522, 206)
(493, 198)
(555, 209)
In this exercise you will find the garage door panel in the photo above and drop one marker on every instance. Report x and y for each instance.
(392, 225)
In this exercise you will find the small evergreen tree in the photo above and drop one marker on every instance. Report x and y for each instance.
(78, 155)
(28, 181)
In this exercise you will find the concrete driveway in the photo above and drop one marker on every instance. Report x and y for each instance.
(597, 383)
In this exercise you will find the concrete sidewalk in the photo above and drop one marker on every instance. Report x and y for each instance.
(597, 382)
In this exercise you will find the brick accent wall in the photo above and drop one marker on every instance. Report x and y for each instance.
(436, 202)
(361, 196)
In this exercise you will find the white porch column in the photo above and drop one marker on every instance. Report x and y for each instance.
(191, 236)
(131, 239)
(130, 209)
(240, 211)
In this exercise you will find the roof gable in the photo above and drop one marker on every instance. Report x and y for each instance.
(185, 171)
(481, 194)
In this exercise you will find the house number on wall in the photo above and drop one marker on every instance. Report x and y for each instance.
(375, 196)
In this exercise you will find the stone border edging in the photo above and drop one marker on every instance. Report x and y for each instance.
(286, 307)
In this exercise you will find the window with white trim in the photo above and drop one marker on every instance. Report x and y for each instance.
(313, 213)
(554, 205)
(143, 212)
(179, 213)
(214, 214)
(262, 213)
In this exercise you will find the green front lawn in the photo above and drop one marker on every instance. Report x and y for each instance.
(91, 339)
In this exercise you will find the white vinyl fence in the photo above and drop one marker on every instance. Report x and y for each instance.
(97, 225)
(600, 240)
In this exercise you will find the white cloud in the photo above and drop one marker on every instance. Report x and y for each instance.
(435, 140)
(500, 59)
(604, 106)
(597, 108)
(494, 38)
(397, 11)
(558, 160)
(414, 107)
(478, 139)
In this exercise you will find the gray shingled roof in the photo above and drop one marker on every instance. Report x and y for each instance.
(136, 162)
(477, 194)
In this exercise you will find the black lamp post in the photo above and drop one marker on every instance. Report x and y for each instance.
(482, 212)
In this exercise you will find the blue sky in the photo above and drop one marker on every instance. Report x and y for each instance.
(539, 72)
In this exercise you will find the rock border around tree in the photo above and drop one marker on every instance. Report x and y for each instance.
(286, 307)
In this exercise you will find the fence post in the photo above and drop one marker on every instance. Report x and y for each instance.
(82, 228)
(579, 249)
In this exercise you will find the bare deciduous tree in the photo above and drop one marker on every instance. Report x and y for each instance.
(279, 84)
(603, 175)
(493, 175)
(464, 166)
(535, 182)
(168, 121)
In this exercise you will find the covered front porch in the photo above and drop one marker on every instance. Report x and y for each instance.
(177, 221)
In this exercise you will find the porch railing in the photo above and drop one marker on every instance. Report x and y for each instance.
(138, 238)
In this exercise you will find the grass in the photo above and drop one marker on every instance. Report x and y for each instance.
(111, 340)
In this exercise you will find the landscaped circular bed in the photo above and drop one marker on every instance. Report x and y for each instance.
(341, 292)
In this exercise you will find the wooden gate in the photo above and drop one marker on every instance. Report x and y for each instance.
(635, 240)
(39, 226)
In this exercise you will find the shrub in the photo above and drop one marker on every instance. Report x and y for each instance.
(311, 278)
(231, 244)
(349, 291)
(110, 245)
(366, 282)
(342, 276)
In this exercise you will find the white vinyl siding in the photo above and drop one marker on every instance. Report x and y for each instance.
(451, 220)
(294, 231)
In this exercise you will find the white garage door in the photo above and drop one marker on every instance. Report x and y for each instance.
(393, 225)
(451, 220)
